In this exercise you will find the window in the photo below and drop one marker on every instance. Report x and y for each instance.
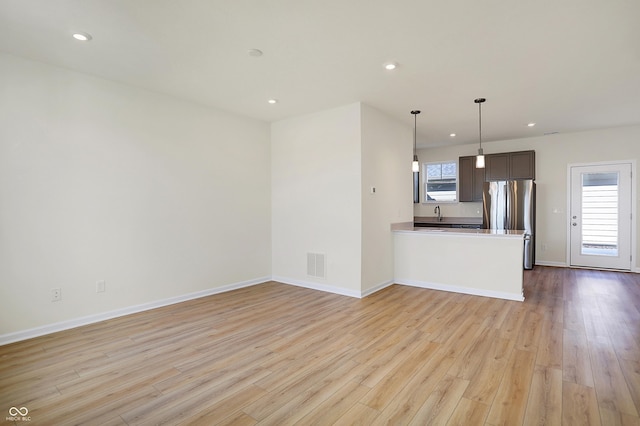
(600, 213)
(441, 181)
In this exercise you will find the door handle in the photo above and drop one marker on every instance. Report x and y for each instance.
(574, 224)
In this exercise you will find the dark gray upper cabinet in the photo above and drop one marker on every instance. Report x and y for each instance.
(522, 165)
(510, 165)
(496, 166)
(470, 179)
(502, 166)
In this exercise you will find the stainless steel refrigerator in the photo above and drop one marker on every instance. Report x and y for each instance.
(511, 205)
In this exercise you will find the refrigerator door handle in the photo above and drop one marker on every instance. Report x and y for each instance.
(512, 205)
(507, 204)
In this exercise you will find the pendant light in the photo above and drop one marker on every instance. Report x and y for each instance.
(415, 166)
(480, 156)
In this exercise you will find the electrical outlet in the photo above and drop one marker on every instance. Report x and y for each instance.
(56, 294)
(101, 286)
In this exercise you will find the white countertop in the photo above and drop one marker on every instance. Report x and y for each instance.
(407, 227)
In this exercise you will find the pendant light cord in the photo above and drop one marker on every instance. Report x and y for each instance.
(480, 122)
(415, 125)
(415, 131)
(479, 101)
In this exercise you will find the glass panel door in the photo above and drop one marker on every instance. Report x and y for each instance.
(600, 219)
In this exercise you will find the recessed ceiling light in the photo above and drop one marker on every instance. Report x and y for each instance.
(390, 66)
(452, 135)
(531, 124)
(273, 101)
(256, 53)
(82, 36)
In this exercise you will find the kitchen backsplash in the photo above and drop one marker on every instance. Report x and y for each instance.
(449, 209)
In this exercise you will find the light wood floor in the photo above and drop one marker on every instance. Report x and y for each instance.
(276, 354)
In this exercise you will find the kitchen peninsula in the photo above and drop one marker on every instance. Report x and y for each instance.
(473, 261)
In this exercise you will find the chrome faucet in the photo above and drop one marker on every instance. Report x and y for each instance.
(437, 210)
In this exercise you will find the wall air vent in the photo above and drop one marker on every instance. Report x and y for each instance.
(316, 265)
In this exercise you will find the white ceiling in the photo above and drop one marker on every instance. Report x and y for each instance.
(565, 64)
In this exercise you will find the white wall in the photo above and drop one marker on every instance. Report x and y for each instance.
(316, 175)
(101, 181)
(323, 168)
(386, 165)
(553, 155)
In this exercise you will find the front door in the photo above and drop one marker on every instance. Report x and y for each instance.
(600, 216)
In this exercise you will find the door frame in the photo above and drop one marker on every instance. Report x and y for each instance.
(634, 219)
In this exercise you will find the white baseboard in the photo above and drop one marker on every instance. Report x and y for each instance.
(634, 269)
(463, 290)
(333, 289)
(318, 286)
(549, 263)
(78, 322)
(90, 319)
(377, 288)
